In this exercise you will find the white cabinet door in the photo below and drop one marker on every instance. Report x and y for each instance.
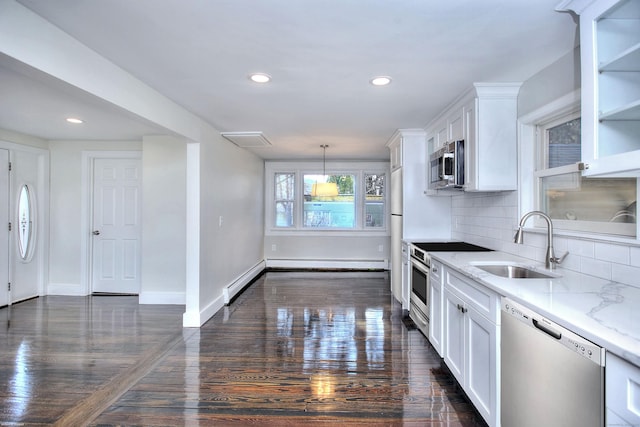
(455, 123)
(471, 147)
(491, 138)
(435, 306)
(406, 271)
(622, 391)
(481, 373)
(454, 340)
(610, 67)
(470, 341)
(395, 153)
(442, 134)
(435, 318)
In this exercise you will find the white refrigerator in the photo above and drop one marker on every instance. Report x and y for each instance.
(396, 234)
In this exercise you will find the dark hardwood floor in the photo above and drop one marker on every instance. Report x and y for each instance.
(295, 348)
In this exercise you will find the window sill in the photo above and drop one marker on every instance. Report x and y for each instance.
(328, 233)
(583, 235)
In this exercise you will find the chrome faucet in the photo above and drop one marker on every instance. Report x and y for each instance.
(550, 260)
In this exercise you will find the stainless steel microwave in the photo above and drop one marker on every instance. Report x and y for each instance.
(446, 167)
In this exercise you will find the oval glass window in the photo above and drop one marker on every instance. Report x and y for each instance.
(25, 222)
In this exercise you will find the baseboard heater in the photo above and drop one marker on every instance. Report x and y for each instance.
(242, 282)
(328, 264)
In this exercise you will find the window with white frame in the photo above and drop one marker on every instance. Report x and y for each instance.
(284, 201)
(374, 193)
(357, 201)
(574, 202)
(329, 210)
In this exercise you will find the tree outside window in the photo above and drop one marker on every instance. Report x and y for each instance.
(330, 211)
(285, 199)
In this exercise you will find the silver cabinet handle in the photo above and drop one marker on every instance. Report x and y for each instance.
(96, 232)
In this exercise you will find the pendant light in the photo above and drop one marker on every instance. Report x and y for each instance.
(324, 189)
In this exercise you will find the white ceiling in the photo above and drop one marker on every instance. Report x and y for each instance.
(321, 55)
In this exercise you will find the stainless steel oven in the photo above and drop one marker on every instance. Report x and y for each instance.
(419, 298)
(419, 278)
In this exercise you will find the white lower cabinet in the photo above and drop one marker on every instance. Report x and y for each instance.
(471, 341)
(622, 392)
(406, 279)
(435, 306)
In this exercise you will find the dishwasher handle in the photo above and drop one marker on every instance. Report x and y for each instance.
(557, 335)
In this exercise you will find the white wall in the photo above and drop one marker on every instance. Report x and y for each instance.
(231, 217)
(490, 219)
(67, 212)
(557, 79)
(163, 220)
(329, 249)
(231, 184)
(22, 139)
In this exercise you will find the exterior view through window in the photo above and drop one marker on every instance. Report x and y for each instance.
(284, 199)
(305, 200)
(374, 200)
(602, 205)
(330, 211)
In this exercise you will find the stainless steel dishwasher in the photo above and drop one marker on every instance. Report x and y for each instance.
(549, 376)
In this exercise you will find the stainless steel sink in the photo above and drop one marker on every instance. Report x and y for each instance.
(514, 271)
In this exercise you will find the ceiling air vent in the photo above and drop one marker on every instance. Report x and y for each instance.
(247, 139)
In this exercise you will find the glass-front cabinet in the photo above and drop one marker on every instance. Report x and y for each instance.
(610, 60)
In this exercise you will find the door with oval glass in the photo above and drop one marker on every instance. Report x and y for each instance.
(27, 209)
(116, 226)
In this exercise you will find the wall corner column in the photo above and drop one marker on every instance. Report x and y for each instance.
(191, 317)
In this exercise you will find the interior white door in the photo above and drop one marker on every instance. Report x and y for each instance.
(4, 227)
(116, 226)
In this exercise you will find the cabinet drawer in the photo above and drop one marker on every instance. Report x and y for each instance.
(484, 300)
(623, 390)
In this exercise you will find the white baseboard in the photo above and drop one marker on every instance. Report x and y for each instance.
(175, 298)
(237, 285)
(382, 264)
(66, 289)
(196, 320)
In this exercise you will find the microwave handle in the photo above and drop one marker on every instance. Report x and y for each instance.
(459, 165)
(443, 165)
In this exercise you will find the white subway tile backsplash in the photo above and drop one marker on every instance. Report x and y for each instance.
(561, 245)
(625, 274)
(572, 262)
(582, 247)
(490, 219)
(613, 253)
(594, 267)
(634, 253)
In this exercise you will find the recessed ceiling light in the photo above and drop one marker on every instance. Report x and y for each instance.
(381, 81)
(74, 120)
(260, 78)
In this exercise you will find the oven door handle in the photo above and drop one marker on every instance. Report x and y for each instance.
(420, 265)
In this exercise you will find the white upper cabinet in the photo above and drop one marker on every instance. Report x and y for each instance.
(610, 61)
(395, 152)
(485, 117)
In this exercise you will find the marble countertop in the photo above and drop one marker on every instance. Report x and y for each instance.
(605, 312)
